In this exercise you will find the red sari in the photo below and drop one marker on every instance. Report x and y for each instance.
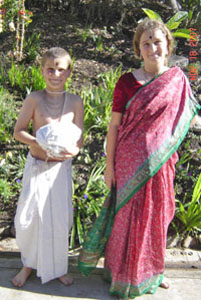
(154, 124)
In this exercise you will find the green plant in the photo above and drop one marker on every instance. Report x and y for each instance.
(190, 213)
(16, 18)
(194, 10)
(32, 47)
(98, 101)
(87, 203)
(173, 22)
(8, 116)
(5, 190)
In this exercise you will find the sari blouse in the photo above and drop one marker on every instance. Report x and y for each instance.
(125, 88)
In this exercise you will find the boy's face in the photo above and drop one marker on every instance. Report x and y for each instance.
(55, 72)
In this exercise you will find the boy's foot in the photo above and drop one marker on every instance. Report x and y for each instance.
(165, 283)
(66, 279)
(20, 279)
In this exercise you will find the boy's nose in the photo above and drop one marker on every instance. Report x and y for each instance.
(56, 73)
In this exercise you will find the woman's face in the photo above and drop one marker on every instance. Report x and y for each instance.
(153, 47)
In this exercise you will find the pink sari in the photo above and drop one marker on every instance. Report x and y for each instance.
(156, 121)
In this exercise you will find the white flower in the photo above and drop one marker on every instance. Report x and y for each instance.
(11, 26)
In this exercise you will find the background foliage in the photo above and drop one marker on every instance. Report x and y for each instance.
(105, 41)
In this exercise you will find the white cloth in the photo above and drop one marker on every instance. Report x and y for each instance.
(59, 136)
(56, 137)
(44, 217)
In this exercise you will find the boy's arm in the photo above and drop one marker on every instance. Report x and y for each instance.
(24, 118)
(79, 119)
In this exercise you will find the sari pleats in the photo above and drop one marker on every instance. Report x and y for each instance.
(135, 252)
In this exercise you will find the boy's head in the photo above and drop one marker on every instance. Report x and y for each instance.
(56, 68)
(56, 52)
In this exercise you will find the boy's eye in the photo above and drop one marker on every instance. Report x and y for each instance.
(50, 69)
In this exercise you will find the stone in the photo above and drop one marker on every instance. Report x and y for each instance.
(189, 242)
(9, 245)
(177, 60)
(197, 125)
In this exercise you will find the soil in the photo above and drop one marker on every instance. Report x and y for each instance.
(57, 29)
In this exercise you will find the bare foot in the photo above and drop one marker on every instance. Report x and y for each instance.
(20, 279)
(66, 279)
(165, 283)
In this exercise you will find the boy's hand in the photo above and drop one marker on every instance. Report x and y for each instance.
(73, 152)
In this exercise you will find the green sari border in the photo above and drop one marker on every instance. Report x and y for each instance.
(194, 111)
(136, 291)
(144, 85)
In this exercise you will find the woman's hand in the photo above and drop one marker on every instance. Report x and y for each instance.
(109, 177)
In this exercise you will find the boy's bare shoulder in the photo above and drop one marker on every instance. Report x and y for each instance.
(36, 95)
(74, 98)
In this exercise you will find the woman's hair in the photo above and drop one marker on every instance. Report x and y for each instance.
(56, 52)
(148, 24)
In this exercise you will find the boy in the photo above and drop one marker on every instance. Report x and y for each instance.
(44, 212)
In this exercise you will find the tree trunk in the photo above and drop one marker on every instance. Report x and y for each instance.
(174, 5)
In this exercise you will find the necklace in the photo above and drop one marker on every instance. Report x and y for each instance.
(50, 92)
(53, 108)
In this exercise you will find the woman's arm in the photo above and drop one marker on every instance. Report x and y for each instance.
(110, 148)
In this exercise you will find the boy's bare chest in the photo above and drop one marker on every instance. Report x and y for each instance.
(45, 114)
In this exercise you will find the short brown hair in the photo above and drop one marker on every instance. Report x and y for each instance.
(147, 24)
(56, 52)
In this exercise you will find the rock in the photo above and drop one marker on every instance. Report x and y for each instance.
(9, 244)
(197, 125)
(189, 242)
(179, 61)
(12, 231)
(4, 231)
(172, 241)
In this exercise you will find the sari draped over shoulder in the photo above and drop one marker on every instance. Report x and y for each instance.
(133, 241)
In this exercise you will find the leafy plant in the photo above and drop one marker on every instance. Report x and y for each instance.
(173, 23)
(32, 47)
(8, 116)
(87, 203)
(190, 214)
(194, 10)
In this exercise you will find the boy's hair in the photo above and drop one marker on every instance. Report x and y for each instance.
(148, 24)
(56, 52)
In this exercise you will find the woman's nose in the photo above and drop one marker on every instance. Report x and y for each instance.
(153, 47)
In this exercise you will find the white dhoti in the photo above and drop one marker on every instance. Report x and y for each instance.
(44, 217)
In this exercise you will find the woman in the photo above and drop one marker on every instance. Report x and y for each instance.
(152, 110)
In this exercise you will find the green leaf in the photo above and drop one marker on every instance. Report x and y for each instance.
(190, 15)
(183, 33)
(197, 190)
(152, 14)
(178, 17)
(175, 25)
(79, 229)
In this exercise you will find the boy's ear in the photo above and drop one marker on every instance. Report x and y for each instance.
(69, 72)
